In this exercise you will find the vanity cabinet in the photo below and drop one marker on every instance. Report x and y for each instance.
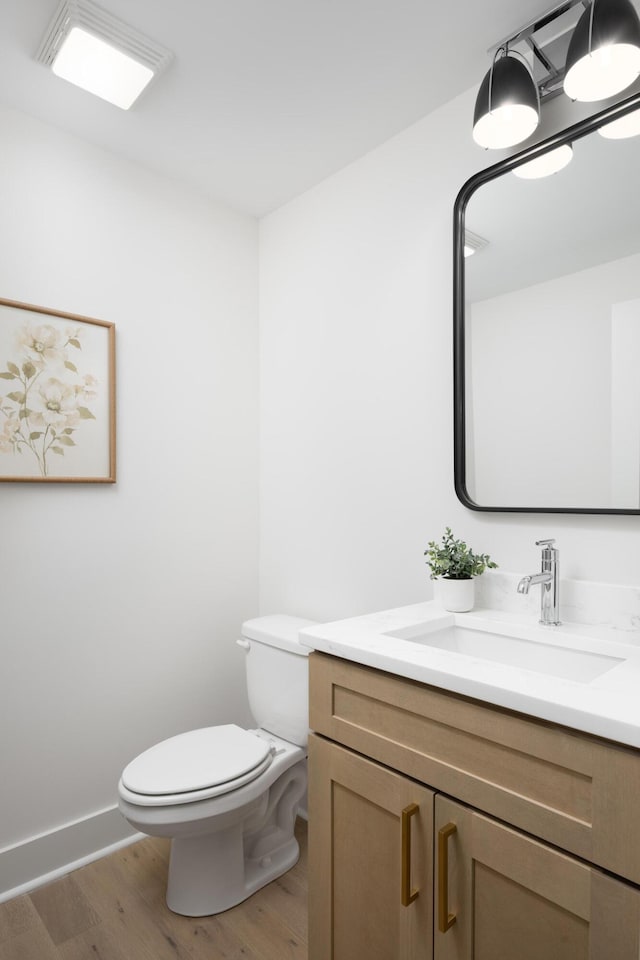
(445, 828)
(506, 895)
(372, 853)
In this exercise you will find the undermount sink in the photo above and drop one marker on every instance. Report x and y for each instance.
(554, 659)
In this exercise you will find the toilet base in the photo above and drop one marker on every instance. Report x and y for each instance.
(211, 872)
(196, 890)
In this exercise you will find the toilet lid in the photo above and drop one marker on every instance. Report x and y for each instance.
(197, 760)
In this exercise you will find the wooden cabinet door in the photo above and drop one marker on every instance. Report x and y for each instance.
(505, 896)
(370, 880)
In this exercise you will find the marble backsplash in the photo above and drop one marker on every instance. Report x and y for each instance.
(581, 601)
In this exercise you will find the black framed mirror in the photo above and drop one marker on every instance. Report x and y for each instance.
(547, 329)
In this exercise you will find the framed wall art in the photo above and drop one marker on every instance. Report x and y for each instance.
(57, 396)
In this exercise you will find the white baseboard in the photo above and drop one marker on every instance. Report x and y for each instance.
(41, 859)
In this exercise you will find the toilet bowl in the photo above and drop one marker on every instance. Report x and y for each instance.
(228, 797)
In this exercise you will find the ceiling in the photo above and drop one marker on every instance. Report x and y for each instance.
(538, 230)
(265, 98)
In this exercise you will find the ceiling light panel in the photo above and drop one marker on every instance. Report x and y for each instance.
(473, 243)
(100, 53)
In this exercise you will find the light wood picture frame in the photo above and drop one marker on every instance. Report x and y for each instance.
(57, 396)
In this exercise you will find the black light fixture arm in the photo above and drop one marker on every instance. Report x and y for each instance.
(591, 11)
(496, 56)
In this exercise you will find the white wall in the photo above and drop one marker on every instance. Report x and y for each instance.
(555, 450)
(120, 603)
(356, 391)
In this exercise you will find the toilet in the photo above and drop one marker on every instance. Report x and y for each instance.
(228, 797)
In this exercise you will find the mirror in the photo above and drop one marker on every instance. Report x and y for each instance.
(547, 330)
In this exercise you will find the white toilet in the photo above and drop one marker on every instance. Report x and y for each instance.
(228, 797)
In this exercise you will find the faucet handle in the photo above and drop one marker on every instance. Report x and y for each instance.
(545, 543)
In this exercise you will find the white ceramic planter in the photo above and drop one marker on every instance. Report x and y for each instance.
(456, 596)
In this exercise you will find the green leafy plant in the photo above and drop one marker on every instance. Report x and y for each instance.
(454, 560)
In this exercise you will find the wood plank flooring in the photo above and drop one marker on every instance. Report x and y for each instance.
(114, 909)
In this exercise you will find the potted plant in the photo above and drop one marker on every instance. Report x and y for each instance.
(453, 566)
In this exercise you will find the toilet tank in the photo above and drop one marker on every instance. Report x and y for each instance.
(278, 675)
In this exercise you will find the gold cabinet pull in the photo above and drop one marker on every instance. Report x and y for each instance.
(445, 919)
(407, 895)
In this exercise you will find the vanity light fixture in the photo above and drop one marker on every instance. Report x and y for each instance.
(588, 49)
(546, 165)
(92, 49)
(604, 54)
(507, 107)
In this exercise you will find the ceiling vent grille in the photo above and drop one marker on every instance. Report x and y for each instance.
(92, 18)
(473, 242)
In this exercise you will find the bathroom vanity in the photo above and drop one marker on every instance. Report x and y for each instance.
(463, 806)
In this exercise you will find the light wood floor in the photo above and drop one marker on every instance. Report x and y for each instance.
(114, 909)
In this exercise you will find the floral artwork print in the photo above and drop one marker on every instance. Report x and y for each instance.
(46, 395)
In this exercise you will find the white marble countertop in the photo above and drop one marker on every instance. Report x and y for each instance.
(607, 705)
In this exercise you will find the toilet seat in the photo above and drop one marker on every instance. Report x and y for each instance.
(196, 766)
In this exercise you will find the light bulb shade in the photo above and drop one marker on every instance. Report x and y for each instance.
(507, 109)
(604, 53)
(622, 128)
(547, 164)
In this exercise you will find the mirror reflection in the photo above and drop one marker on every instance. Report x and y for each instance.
(551, 393)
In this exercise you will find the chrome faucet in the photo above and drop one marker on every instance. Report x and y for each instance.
(549, 580)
